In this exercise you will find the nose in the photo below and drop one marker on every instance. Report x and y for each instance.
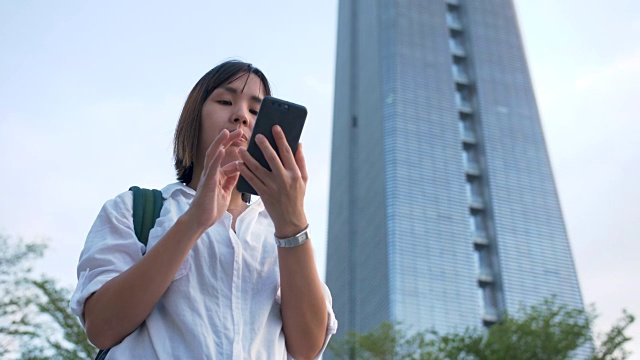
(241, 118)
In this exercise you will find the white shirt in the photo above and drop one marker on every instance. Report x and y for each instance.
(224, 301)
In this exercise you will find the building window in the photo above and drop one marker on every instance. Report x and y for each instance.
(463, 96)
(456, 42)
(470, 156)
(466, 126)
(459, 69)
(489, 300)
(453, 16)
(478, 223)
(474, 189)
(484, 260)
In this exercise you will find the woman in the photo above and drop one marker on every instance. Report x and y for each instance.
(212, 282)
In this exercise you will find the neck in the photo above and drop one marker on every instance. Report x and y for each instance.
(236, 202)
(195, 178)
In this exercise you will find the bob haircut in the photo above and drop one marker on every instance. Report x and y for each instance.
(185, 143)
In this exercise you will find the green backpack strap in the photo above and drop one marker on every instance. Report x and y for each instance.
(147, 204)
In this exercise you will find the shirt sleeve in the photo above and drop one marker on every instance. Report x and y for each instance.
(111, 248)
(332, 323)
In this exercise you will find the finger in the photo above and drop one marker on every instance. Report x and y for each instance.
(302, 163)
(230, 181)
(224, 139)
(233, 136)
(230, 169)
(251, 178)
(214, 165)
(253, 164)
(215, 145)
(270, 156)
(284, 149)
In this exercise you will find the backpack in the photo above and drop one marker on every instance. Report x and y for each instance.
(147, 204)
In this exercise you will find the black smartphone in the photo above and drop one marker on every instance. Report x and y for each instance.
(289, 116)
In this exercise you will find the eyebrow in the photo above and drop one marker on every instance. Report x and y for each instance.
(235, 91)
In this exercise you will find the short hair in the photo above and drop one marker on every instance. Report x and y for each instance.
(185, 144)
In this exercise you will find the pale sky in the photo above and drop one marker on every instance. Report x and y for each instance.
(90, 93)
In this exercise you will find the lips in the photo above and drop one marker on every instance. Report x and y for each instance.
(241, 141)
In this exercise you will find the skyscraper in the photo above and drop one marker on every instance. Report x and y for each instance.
(443, 208)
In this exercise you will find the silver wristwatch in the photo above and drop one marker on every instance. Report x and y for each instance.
(294, 241)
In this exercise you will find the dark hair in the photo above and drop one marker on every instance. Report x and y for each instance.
(185, 143)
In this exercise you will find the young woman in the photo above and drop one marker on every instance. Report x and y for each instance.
(212, 283)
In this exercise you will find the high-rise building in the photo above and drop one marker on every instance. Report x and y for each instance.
(443, 208)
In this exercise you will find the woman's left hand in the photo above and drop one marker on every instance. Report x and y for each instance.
(283, 188)
(303, 305)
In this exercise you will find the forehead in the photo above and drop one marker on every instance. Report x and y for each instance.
(248, 83)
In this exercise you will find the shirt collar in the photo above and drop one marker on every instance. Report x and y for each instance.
(168, 191)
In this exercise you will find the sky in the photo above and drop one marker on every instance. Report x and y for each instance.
(90, 93)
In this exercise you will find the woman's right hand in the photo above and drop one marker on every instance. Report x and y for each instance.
(216, 183)
(124, 302)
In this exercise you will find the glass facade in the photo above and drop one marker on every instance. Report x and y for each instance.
(443, 210)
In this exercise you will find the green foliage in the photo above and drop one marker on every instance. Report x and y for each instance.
(547, 331)
(611, 344)
(387, 341)
(35, 321)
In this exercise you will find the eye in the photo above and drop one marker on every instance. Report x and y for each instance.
(253, 111)
(224, 102)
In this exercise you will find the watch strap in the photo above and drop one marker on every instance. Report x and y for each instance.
(295, 240)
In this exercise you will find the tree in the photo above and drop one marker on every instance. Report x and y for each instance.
(547, 331)
(35, 321)
(387, 341)
(611, 344)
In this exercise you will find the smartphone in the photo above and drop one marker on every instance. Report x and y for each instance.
(289, 116)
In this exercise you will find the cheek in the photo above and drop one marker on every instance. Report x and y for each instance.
(203, 145)
(210, 126)
(205, 138)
